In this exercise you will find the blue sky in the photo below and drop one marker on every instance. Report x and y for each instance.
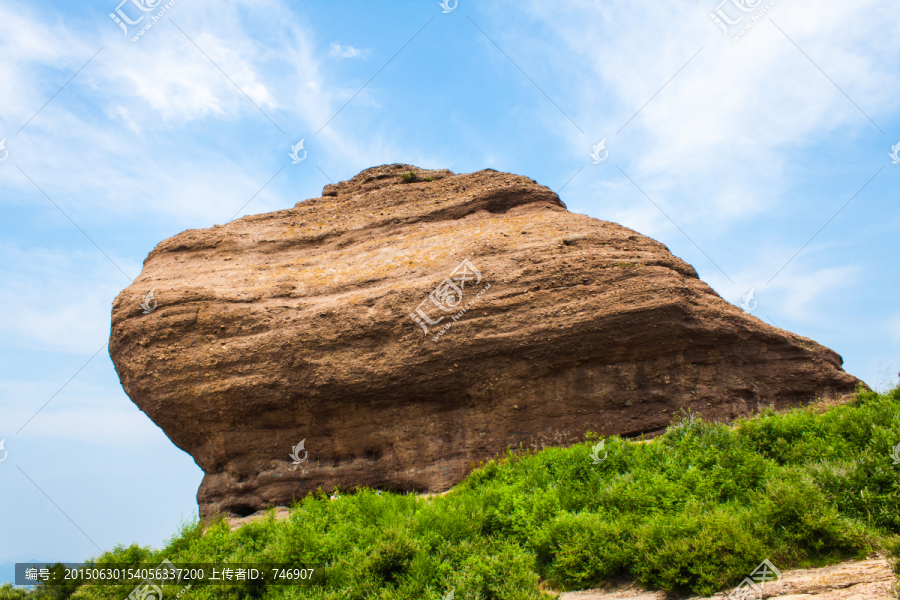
(735, 154)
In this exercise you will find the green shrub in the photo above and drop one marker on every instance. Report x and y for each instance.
(892, 550)
(693, 511)
(704, 549)
(8, 592)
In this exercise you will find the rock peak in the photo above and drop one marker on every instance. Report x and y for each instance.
(383, 176)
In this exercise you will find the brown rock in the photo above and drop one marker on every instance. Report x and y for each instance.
(295, 325)
(279, 513)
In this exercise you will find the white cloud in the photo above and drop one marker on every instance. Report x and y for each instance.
(181, 82)
(800, 295)
(348, 51)
(730, 123)
(58, 302)
(29, 45)
(161, 90)
(122, 113)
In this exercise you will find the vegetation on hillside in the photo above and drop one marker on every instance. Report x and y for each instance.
(694, 510)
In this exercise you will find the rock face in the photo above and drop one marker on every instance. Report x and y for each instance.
(404, 329)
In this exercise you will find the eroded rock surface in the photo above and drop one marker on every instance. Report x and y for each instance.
(296, 325)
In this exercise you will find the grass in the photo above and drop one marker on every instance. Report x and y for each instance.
(693, 511)
(412, 177)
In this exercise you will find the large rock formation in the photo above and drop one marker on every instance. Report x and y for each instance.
(404, 329)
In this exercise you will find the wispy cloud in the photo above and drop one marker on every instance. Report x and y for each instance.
(57, 301)
(348, 51)
(728, 125)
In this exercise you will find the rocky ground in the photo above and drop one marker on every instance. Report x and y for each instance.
(856, 580)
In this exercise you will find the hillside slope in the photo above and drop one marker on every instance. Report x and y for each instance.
(695, 510)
